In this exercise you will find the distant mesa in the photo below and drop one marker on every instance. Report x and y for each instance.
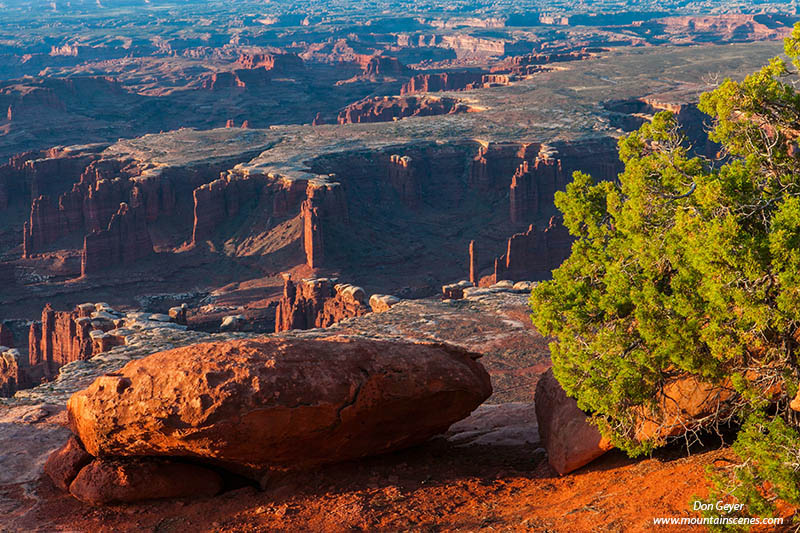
(388, 108)
(276, 63)
(453, 81)
(381, 66)
(257, 71)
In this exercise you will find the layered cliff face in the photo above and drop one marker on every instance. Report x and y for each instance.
(125, 241)
(530, 183)
(526, 64)
(404, 179)
(50, 172)
(240, 78)
(495, 163)
(325, 204)
(388, 108)
(318, 303)
(66, 336)
(257, 71)
(540, 171)
(630, 114)
(58, 223)
(271, 205)
(220, 201)
(453, 81)
(531, 255)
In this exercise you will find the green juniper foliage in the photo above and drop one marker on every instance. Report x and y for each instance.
(686, 266)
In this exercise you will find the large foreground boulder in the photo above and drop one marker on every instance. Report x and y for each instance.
(570, 439)
(279, 403)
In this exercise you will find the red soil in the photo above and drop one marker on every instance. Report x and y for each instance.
(434, 487)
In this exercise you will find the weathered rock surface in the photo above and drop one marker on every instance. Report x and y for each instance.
(323, 204)
(684, 404)
(380, 303)
(505, 424)
(318, 303)
(570, 440)
(532, 254)
(28, 435)
(63, 465)
(279, 403)
(12, 373)
(455, 291)
(105, 481)
(66, 336)
(125, 241)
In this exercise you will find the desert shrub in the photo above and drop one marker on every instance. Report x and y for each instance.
(690, 266)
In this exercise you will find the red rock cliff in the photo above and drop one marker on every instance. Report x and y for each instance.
(324, 204)
(220, 200)
(381, 66)
(444, 81)
(404, 179)
(63, 337)
(532, 255)
(125, 241)
(12, 375)
(531, 183)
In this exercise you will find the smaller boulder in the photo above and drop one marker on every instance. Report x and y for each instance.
(524, 286)
(178, 314)
(570, 439)
(232, 323)
(380, 303)
(105, 481)
(64, 464)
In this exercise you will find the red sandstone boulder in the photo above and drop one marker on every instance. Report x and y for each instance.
(278, 403)
(64, 464)
(570, 440)
(106, 481)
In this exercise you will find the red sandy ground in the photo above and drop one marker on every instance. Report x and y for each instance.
(435, 487)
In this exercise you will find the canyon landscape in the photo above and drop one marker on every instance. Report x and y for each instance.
(272, 266)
